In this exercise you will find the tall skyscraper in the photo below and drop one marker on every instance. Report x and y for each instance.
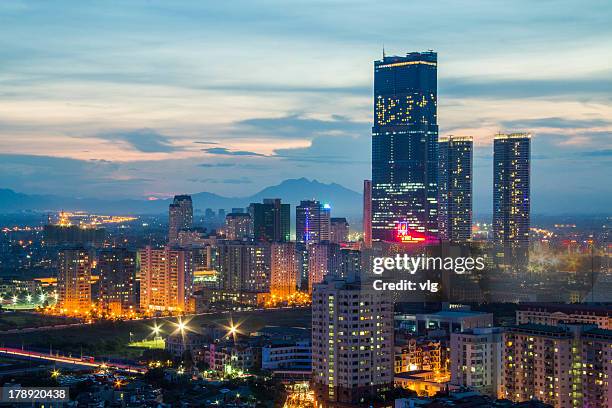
(180, 216)
(352, 343)
(312, 221)
(511, 197)
(271, 220)
(118, 286)
(284, 269)
(74, 280)
(166, 279)
(338, 230)
(405, 148)
(455, 188)
(367, 213)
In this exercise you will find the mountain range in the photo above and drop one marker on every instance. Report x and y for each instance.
(344, 202)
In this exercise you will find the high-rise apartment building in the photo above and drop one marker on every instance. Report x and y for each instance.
(338, 230)
(352, 343)
(285, 269)
(564, 366)
(118, 285)
(318, 263)
(166, 279)
(511, 197)
(367, 213)
(455, 188)
(243, 266)
(74, 280)
(238, 226)
(180, 216)
(476, 357)
(405, 148)
(312, 221)
(271, 220)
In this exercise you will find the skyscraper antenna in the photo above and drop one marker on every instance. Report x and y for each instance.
(384, 51)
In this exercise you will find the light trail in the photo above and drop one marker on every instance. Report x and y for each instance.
(70, 360)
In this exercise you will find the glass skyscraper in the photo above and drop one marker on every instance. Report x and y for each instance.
(405, 148)
(455, 188)
(511, 197)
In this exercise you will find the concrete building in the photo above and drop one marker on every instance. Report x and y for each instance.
(238, 226)
(284, 269)
(74, 280)
(338, 230)
(553, 314)
(564, 366)
(352, 343)
(476, 357)
(166, 279)
(180, 216)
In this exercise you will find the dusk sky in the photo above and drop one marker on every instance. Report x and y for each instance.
(151, 98)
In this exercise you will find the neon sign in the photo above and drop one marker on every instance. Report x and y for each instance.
(406, 235)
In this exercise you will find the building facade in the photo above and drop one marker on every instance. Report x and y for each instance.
(338, 230)
(118, 285)
(243, 266)
(564, 366)
(284, 272)
(180, 216)
(74, 280)
(352, 343)
(166, 279)
(476, 360)
(511, 198)
(271, 220)
(312, 222)
(405, 146)
(455, 188)
(238, 226)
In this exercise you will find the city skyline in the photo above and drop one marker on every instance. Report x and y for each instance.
(141, 111)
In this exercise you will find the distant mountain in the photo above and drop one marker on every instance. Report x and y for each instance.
(344, 202)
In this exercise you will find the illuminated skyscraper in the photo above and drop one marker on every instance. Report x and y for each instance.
(455, 188)
(405, 147)
(511, 197)
(74, 279)
(312, 221)
(180, 216)
(271, 220)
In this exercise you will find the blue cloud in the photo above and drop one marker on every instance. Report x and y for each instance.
(143, 140)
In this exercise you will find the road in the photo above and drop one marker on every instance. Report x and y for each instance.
(74, 362)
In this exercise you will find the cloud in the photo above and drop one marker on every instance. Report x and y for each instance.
(211, 165)
(599, 86)
(224, 151)
(143, 140)
(299, 126)
(605, 153)
(555, 122)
